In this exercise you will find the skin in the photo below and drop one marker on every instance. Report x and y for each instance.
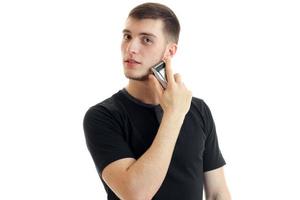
(145, 42)
(139, 46)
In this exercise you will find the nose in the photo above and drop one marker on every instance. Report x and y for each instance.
(133, 46)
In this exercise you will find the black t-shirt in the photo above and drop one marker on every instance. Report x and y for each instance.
(123, 126)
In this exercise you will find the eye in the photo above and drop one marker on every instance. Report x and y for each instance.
(147, 40)
(126, 36)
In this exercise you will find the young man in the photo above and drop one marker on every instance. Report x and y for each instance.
(148, 142)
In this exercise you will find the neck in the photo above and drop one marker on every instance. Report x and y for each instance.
(143, 91)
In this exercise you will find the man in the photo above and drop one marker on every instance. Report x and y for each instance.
(151, 143)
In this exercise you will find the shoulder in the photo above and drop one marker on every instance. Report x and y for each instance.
(197, 102)
(200, 106)
(108, 109)
(200, 110)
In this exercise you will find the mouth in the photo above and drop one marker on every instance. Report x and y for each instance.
(132, 61)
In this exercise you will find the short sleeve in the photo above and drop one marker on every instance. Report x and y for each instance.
(212, 158)
(104, 138)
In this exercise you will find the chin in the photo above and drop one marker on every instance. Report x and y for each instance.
(137, 77)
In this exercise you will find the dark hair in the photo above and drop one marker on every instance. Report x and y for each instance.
(158, 11)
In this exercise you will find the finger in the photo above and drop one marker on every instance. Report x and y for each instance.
(177, 78)
(156, 85)
(169, 71)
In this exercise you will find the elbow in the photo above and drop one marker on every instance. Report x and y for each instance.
(130, 192)
(136, 192)
(139, 190)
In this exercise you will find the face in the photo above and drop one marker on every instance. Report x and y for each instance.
(143, 45)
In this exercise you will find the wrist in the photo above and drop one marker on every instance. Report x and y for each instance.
(174, 117)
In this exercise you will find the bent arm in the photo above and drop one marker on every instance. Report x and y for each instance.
(142, 178)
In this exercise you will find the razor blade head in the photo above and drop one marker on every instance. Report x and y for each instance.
(159, 72)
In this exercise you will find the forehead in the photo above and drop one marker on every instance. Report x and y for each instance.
(138, 26)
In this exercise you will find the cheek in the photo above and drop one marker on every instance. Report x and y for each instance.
(154, 49)
(122, 47)
(158, 53)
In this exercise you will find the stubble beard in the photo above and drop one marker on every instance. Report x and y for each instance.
(142, 77)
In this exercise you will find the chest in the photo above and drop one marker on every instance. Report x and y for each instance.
(190, 144)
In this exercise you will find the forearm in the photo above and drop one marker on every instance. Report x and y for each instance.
(148, 172)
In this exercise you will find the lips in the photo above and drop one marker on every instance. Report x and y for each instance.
(132, 61)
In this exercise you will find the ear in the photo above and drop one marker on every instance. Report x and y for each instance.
(171, 50)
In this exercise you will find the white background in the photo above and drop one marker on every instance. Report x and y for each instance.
(60, 57)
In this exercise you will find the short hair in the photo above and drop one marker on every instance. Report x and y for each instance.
(158, 11)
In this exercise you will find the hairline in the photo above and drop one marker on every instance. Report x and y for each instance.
(168, 37)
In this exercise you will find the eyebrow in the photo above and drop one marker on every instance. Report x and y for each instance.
(143, 33)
